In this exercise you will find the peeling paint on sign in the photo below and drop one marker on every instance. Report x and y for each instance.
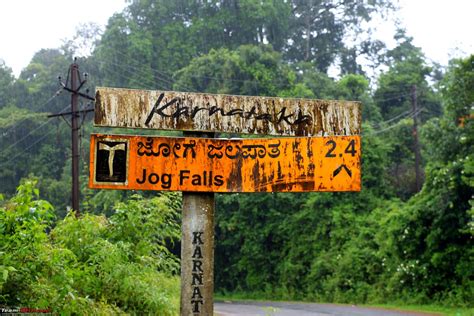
(300, 164)
(171, 110)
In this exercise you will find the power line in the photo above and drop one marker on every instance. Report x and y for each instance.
(57, 93)
(30, 132)
(396, 124)
(394, 97)
(28, 148)
(404, 114)
(156, 71)
(168, 80)
(166, 77)
(132, 70)
(385, 129)
(401, 115)
(26, 136)
(407, 86)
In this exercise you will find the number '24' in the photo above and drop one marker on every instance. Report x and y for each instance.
(350, 149)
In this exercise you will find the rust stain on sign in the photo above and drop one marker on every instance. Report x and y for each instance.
(301, 164)
(171, 110)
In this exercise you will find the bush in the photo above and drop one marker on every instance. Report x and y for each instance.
(92, 264)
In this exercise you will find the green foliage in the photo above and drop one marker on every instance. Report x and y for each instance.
(401, 158)
(149, 226)
(91, 264)
(370, 246)
(407, 68)
(27, 149)
(318, 29)
(457, 89)
(38, 82)
(125, 54)
(356, 88)
(6, 85)
(249, 70)
(156, 37)
(11, 115)
(312, 246)
(375, 170)
(319, 83)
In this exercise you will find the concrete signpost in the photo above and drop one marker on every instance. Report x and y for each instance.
(323, 154)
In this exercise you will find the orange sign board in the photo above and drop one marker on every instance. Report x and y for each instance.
(301, 164)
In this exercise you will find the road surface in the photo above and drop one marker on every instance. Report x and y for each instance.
(229, 308)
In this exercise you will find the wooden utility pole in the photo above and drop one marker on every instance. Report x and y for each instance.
(75, 84)
(73, 70)
(415, 139)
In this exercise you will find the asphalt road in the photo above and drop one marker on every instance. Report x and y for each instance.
(228, 308)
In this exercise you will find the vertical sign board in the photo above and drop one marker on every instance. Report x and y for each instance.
(330, 162)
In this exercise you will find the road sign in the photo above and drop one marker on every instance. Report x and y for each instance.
(301, 164)
(169, 110)
(199, 164)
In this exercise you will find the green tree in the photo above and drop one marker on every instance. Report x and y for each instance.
(319, 83)
(32, 144)
(38, 84)
(84, 41)
(152, 39)
(126, 54)
(6, 85)
(214, 24)
(394, 97)
(432, 233)
(402, 158)
(20, 130)
(407, 68)
(249, 70)
(356, 88)
(318, 29)
(290, 245)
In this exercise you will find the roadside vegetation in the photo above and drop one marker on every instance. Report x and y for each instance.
(90, 265)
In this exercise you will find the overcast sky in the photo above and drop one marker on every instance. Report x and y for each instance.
(443, 29)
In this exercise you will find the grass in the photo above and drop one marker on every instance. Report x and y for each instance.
(431, 309)
(428, 309)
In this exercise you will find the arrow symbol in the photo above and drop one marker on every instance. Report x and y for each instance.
(338, 170)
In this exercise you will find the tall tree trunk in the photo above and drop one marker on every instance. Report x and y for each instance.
(308, 31)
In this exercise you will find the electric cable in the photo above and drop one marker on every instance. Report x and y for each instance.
(131, 70)
(28, 148)
(30, 132)
(394, 125)
(57, 93)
